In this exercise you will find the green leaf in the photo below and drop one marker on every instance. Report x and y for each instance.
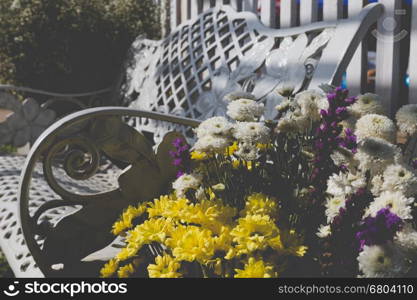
(120, 141)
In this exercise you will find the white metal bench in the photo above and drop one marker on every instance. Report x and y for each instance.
(94, 160)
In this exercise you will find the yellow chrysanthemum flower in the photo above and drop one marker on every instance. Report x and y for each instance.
(236, 164)
(196, 155)
(125, 271)
(263, 146)
(109, 268)
(152, 230)
(125, 221)
(260, 204)
(128, 252)
(231, 149)
(293, 243)
(211, 214)
(165, 267)
(256, 269)
(218, 187)
(168, 207)
(248, 164)
(212, 195)
(216, 265)
(191, 243)
(119, 227)
(224, 240)
(254, 232)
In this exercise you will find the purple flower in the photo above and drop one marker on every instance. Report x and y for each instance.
(341, 110)
(380, 229)
(328, 138)
(334, 124)
(177, 162)
(349, 132)
(349, 141)
(343, 168)
(183, 148)
(319, 144)
(331, 97)
(177, 142)
(181, 157)
(350, 100)
(173, 154)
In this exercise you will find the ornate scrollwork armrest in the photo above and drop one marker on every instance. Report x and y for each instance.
(95, 165)
(22, 122)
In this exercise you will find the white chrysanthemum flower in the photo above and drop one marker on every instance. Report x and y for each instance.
(322, 103)
(376, 185)
(407, 119)
(338, 185)
(239, 95)
(216, 126)
(295, 118)
(304, 123)
(366, 104)
(407, 238)
(346, 159)
(349, 123)
(333, 206)
(395, 201)
(245, 110)
(308, 107)
(247, 151)
(285, 90)
(383, 261)
(283, 106)
(400, 178)
(211, 143)
(313, 95)
(345, 184)
(324, 231)
(357, 180)
(302, 112)
(200, 194)
(374, 125)
(186, 182)
(252, 132)
(317, 97)
(375, 154)
(287, 125)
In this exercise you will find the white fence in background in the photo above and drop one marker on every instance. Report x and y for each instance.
(394, 39)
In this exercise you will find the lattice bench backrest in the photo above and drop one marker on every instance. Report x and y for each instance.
(222, 51)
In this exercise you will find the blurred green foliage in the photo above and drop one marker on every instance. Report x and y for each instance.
(70, 45)
(7, 149)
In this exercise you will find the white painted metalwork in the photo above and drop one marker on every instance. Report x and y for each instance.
(332, 9)
(268, 13)
(39, 184)
(308, 11)
(413, 57)
(11, 239)
(189, 72)
(391, 75)
(288, 13)
(356, 74)
(388, 76)
(222, 51)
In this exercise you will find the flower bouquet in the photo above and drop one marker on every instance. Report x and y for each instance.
(322, 190)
